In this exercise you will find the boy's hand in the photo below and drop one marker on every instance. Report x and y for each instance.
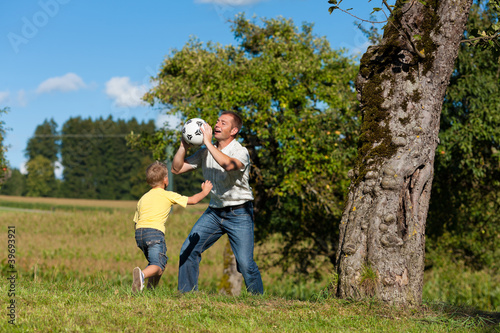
(206, 186)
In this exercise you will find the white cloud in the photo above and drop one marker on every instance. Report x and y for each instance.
(22, 168)
(22, 98)
(58, 170)
(124, 93)
(230, 2)
(67, 82)
(168, 120)
(359, 50)
(4, 97)
(11, 100)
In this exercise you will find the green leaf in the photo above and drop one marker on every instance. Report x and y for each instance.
(331, 9)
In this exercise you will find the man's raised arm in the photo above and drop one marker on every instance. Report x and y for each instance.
(178, 164)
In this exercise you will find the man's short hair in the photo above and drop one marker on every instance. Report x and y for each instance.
(155, 173)
(237, 121)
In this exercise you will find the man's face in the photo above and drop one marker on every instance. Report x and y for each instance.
(223, 128)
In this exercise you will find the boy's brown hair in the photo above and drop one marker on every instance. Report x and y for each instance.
(155, 173)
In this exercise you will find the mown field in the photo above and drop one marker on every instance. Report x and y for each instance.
(71, 270)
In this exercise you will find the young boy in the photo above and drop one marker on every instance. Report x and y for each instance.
(152, 212)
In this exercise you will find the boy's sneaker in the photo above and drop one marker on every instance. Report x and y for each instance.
(138, 283)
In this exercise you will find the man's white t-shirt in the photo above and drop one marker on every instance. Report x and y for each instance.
(230, 188)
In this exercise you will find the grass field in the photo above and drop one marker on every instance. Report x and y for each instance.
(73, 261)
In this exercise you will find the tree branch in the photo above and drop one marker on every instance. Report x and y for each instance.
(387, 5)
(345, 11)
(483, 38)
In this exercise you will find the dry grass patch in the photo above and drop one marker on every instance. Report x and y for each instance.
(72, 202)
(90, 243)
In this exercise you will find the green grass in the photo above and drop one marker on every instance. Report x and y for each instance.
(74, 274)
(98, 305)
(457, 284)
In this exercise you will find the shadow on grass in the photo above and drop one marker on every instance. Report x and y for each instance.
(465, 313)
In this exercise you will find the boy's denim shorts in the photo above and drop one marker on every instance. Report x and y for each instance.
(152, 244)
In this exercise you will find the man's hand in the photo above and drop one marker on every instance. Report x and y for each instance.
(185, 144)
(178, 164)
(207, 133)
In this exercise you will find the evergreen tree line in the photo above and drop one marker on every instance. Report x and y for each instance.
(95, 160)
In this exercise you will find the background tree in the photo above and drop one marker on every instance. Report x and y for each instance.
(44, 142)
(40, 180)
(77, 144)
(116, 167)
(97, 162)
(3, 161)
(138, 185)
(401, 86)
(15, 184)
(296, 98)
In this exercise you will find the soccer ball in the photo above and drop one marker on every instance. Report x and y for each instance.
(191, 132)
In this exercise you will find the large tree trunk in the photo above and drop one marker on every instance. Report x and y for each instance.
(232, 280)
(401, 85)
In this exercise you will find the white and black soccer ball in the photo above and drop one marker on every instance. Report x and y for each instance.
(191, 132)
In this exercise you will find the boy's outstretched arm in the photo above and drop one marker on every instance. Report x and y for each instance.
(206, 187)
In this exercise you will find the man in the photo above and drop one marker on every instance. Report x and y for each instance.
(227, 166)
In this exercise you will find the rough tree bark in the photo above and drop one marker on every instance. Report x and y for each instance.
(401, 86)
(232, 280)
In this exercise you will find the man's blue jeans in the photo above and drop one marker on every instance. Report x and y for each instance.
(238, 224)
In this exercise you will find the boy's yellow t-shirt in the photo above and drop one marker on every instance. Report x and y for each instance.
(154, 208)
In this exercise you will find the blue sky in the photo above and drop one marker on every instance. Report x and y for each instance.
(67, 58)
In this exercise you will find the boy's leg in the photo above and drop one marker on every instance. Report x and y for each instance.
(153, 281)
(157, 261)
(137, 280)
(240, 231)
(152, 271)
(204, 234)
(152, 243)
(137, 276)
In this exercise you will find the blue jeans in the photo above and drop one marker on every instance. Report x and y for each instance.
(152, 243)
(238, 224)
